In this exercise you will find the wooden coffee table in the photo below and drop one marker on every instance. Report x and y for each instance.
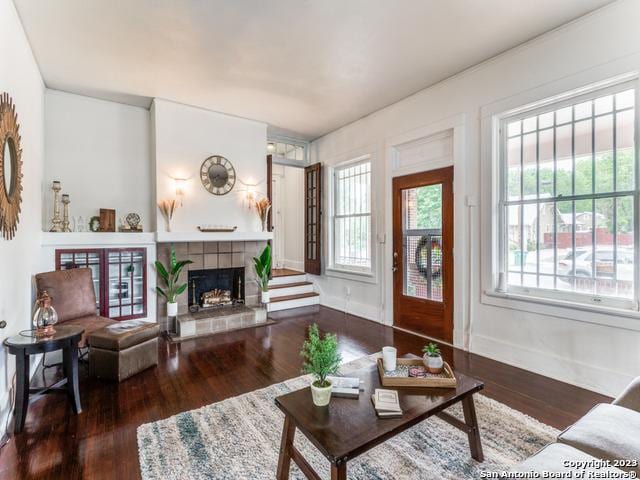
(349, 427)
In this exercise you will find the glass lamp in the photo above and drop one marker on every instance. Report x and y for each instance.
(45, 316)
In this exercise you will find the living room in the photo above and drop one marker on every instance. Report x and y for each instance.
(448, 191)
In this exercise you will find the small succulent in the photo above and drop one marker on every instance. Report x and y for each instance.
(432, 350)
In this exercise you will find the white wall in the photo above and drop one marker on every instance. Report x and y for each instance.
(100, 151)
(184, 137)
(597, 351)
(20, 257)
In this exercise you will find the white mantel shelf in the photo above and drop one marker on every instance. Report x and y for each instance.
(97, 238)
(197, 236)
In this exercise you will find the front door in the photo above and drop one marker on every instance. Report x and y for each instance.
(423, 253)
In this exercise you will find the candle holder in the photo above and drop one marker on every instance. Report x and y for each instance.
(65, 218)
(56, 221)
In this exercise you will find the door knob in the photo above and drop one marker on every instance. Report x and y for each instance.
(395, 262)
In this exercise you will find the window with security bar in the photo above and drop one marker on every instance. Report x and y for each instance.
(352, 217)
(569, 199)
(422, 238)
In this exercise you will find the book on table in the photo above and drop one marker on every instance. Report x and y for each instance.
(348, 387)
(386, 403)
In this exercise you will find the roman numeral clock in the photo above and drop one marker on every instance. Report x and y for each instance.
(217, 175)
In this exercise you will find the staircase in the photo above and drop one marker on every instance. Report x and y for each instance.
(290, 289)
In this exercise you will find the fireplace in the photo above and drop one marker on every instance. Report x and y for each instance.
(216, 288)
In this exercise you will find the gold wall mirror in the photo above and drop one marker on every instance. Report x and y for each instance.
(10, 168)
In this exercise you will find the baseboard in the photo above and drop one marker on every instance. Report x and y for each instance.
(598, 379)
(352, 308)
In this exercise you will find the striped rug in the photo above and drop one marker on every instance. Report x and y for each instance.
(239, 438)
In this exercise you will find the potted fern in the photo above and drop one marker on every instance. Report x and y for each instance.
(321, 358)
(170, 277)
(432, 358)
(262, 265)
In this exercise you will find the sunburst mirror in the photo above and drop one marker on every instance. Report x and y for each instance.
(10, 168)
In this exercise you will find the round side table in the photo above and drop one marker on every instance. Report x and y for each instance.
(23, 345)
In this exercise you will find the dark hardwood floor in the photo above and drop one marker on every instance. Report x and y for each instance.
(101, 441)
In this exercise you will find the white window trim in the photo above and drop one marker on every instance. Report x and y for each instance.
(519, 297)
(332, 269)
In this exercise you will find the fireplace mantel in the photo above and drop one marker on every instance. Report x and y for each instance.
(196, 236)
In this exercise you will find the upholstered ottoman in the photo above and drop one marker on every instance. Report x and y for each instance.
(123, 349)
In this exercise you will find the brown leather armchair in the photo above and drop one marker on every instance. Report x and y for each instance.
(74, 299)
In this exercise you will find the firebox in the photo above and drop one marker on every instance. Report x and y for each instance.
(214, 288)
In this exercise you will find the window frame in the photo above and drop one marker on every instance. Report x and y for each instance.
(500, 231)
(334, 268)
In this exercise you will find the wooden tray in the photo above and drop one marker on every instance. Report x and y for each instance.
(446, 379)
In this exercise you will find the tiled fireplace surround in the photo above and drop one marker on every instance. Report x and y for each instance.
(210, 255)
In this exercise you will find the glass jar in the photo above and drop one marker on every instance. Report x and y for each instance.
(45, 316)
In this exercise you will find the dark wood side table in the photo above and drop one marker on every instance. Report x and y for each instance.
(349, 427)
(23, 345)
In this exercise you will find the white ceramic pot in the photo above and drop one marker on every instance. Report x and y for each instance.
(321, 396)
(433, 364)
(266, 296)
(172, 309)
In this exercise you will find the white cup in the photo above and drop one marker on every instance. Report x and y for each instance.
(389, 358)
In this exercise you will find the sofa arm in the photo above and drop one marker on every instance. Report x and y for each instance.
(630, 397)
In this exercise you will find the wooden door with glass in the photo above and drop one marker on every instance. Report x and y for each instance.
(423, 253)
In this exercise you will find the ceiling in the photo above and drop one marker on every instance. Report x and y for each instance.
(306, 66)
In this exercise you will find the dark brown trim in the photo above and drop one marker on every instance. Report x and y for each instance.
(270, 191)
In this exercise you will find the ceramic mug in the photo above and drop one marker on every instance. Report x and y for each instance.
(389, 358)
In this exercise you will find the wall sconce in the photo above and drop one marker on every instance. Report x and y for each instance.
(251, 193)
(179, 184)
(271, 147)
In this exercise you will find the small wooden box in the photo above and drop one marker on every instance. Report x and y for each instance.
(446, 379)
(107, 220)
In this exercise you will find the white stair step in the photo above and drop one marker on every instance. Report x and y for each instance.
(290, 289)
(288, 279)
(293, 301)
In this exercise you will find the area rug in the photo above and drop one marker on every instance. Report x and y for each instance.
(239, 438)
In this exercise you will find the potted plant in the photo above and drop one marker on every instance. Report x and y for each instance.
(321, 358)
(170, 277)
(432, 358)
(262, 266)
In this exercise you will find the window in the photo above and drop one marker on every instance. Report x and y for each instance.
(568, 199)
(287, 149)
(351, 245)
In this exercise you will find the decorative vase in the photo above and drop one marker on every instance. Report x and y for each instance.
(172, 309)
(45, 316)
(265, 296)
(433, 364)
(321, 395)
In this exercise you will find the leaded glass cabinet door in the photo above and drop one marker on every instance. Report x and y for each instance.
(423, 253)
(126, 283)
(312, 218)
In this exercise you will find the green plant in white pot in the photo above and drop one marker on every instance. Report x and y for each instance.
(321, 358)
(432, 358)
(262, 265)
(170, 278)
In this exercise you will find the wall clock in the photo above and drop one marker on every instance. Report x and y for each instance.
(10, 168)
(217, 175)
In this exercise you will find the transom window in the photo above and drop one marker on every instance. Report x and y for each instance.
(568, 199)
(352, 216)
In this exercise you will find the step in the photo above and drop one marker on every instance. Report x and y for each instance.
(293, 301)
(290, 289)
(285, 279)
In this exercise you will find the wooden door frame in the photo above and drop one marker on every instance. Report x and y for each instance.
(442, 176)
(313, 267)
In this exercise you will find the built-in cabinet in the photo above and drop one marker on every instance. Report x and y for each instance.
(119, 278)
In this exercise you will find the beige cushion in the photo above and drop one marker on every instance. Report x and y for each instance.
(554, 458)
(630, 398)
(609, 432)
